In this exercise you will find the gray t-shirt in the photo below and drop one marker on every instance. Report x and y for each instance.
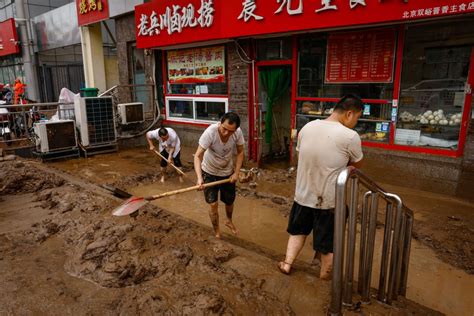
(219, 157)
(325, 148)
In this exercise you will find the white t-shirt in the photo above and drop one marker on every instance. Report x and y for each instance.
(325, 148)
(219, 157)
(172, 141)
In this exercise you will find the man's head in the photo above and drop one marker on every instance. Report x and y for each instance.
(163, 133)
(230, 122)
(349, 109)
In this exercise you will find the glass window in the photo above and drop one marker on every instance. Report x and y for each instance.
(311, 73)
(434, 74)
(196, 109)
(274, 48)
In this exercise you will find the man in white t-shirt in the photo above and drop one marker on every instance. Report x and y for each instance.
(325, 148)
(219, 156)
(169, 147)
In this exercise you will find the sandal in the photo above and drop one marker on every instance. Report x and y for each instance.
(281, 266)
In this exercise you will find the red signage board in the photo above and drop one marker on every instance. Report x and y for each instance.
(360, 56)
(170, 22)
(8, 38)
(91, 11)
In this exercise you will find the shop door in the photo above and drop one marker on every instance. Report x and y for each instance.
(137, 76)
(274, 113)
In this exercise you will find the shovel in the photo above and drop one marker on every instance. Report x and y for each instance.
(172, 165)
(134, 203)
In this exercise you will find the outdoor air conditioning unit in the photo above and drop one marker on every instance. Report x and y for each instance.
(95, 120)
(131, 113)
(55, 135)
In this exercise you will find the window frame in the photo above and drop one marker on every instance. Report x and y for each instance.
(193, 99)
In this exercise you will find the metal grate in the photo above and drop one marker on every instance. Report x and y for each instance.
(100, 120)
(61, 135)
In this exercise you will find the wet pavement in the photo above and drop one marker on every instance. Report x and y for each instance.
(431, 281)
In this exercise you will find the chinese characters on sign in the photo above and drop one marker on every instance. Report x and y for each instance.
(200, 65)
(90, 5)
(176, 18)
(439, 10)
(360, 57)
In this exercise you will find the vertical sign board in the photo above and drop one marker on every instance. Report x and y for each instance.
(91, 11)
(8, 38)
(366, 56)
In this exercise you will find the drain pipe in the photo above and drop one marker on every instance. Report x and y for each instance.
(27, 52)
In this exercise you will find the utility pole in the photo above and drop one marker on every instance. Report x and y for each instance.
(27, 52)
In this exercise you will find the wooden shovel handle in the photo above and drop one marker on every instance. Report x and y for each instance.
(205, 185)
(172, 165)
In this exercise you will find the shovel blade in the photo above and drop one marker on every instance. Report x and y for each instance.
(129, 206)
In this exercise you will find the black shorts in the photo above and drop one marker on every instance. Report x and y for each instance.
(176, 160)
(227, 189)
(303, 219)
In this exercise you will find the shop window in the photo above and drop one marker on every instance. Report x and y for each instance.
(317, 94)
(196, 109)
(434, 75)
(197, 71)
(274, 48)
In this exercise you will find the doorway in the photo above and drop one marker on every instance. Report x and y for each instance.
(274, 113)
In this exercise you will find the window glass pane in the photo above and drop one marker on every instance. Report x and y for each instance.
(311, 75)
(274, 48)
(210, 111)
(181, 108)
(435, 69)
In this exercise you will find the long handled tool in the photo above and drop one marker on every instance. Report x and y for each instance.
(134, 203)
(172, 165)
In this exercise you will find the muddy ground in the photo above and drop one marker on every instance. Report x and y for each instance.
(61, 252)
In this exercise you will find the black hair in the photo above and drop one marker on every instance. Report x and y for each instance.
(162, 131)
(349, 102)
(232, 117)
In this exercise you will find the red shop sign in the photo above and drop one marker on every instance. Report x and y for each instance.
(91, 11)
(360, 56)
(8, 38)
(165, 22)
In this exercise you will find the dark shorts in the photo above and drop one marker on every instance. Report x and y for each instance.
(305, 219)
(227, 189)
(176, 160)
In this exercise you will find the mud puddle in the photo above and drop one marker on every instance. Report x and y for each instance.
(260, 221)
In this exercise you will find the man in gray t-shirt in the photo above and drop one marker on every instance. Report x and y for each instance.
(219, 156)
(325, 148)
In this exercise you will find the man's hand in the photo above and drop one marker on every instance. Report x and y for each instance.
(170, 159)
(234, 177)
(152, 147)
(200, 183)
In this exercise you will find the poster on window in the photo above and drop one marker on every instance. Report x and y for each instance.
(197, 65)
(360, 57)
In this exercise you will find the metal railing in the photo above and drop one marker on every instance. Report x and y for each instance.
(396, 242)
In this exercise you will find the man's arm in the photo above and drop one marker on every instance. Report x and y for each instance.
(150, 142)
(198, 157)
(357, 165)
(238, 163)
(170, 154)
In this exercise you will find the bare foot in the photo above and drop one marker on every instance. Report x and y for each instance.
(218, 235)
(181, 179)
(284, 267)
(232, 227)
(162, 180)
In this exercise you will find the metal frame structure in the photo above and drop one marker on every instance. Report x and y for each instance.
(396, 242)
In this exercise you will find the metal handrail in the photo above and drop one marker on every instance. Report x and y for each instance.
(396, 241)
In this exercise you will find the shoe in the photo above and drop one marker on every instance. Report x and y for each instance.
(281, 267)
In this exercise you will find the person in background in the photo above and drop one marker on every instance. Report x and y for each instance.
(169, 147)
(325, 148)
(219, 156)
(19, 91)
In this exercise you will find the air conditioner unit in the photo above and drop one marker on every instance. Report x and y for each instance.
(95, 120)
(55, 135)
(131, 112)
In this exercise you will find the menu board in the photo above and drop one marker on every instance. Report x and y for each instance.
(366, 56)
(197, 65)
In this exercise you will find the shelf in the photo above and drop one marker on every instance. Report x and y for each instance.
(360, 120)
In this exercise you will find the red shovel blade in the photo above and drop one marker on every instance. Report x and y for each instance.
(129, 206)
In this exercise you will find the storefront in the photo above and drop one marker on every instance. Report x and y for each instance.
(411, 62)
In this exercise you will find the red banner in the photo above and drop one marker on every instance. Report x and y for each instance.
(360, 56)
(91, 11)
(8, 38)
(169, 22)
